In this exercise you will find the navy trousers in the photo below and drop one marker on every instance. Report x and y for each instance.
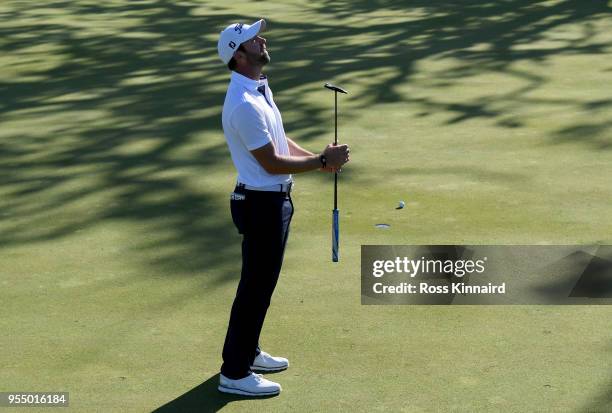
(263, 219)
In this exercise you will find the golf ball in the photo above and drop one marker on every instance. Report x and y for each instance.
(401, 205)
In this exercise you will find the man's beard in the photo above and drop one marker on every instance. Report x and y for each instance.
(259, 59)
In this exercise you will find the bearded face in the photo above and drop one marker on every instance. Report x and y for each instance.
(256, 51)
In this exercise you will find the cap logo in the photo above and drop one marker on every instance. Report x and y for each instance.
(232, 44)
(238, 28)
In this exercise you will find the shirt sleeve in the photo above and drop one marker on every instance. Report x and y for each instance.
(250, 123)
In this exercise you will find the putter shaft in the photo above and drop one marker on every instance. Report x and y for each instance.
(335, 143)
(335, 213)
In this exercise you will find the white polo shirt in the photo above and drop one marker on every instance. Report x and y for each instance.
(250, 121)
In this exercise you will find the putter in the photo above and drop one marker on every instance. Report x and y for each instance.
(335, 217)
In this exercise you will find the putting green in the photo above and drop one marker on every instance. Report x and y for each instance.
(491, 120)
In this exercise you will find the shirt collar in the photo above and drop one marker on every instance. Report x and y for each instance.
(248, 83)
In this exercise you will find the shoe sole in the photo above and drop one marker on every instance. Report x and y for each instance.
(269, 369)
(232, 390)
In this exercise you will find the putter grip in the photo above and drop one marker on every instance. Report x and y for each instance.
(335, 235)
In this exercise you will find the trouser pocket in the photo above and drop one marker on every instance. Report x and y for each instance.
(238, 209)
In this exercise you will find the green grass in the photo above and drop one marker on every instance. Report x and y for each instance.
(492, 120)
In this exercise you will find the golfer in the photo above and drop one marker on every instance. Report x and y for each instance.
(261, 204)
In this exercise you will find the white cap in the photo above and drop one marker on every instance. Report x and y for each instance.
(236, 34)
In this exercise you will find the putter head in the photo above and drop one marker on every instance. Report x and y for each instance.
(335, 88)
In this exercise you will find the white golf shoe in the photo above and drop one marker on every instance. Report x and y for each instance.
(252, 385)
(265, 362)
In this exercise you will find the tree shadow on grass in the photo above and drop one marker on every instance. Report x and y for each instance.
(476, 38)
(111, 112)
(595, 134)
(123, 101)
(123, 130)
